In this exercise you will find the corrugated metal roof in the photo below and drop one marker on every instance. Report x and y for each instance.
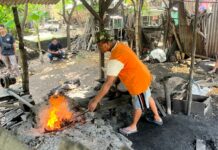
(17, 2)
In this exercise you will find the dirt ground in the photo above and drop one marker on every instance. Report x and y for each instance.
(179, 132)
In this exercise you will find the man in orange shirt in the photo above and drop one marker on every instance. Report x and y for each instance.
(134, 75)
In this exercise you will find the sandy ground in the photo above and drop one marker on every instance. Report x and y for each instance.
(48, 76)
(179, 132)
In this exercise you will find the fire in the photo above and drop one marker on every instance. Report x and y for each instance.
(56, 114)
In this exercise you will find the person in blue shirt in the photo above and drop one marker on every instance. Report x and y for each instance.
(55, 50)
(7, 51)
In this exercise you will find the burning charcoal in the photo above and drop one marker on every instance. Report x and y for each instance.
(54, 117)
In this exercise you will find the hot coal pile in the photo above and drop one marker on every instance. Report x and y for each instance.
(57, 114)
(58, 122)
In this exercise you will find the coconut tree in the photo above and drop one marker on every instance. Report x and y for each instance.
(36, 17)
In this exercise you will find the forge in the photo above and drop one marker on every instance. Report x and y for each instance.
(61, 121)
(58, 115)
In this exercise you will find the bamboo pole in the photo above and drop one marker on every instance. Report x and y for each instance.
(192, 60)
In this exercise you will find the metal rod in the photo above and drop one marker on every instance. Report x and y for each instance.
(20, 98)
(192, 59)
(83, 113)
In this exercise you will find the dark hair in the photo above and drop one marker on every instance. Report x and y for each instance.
(103, 36)
(54, 39)
(1, 25)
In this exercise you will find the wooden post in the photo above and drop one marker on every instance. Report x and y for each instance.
(23, 53)
(101, 28)
(166, 31)
(137, 36)
(167, 97)
(192, 60)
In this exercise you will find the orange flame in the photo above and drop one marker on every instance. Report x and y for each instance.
(56, 114)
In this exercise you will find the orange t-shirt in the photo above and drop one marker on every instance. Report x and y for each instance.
(134, 74)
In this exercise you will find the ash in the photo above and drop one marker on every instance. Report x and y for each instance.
(95, 134)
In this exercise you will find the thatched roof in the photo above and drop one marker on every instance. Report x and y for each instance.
(17, 2)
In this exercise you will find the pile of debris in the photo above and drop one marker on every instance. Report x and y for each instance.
(12, 112)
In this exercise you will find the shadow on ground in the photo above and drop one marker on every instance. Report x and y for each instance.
(179, 132)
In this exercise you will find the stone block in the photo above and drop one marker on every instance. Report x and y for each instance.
(200, 144)
(201, 105)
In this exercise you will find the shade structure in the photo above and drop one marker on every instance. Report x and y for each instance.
(17, 2)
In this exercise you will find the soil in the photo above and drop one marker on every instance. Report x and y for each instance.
(179, 131)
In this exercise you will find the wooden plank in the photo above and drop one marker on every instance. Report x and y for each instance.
(160, 108)
(9, 116)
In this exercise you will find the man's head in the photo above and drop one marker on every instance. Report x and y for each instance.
(3, 31)
(54, 41)
(104, 41)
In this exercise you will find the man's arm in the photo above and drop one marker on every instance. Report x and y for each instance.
(0, 53)
(104, 90)
(0, 48)
(14, 46)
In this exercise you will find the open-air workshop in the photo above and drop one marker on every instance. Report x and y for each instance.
(108, 75)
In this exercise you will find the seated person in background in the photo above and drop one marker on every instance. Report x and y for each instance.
(55, 50)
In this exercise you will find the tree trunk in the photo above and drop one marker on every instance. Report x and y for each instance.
(185, 32)
(192, 59)
(137, 35)
(23, 53)
(167, 24)
(140, 26)
(103, 7)
(39, 45)
(67, 18)
(68, 38)
(101, 28)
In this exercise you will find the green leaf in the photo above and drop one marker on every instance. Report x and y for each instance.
(10, 24)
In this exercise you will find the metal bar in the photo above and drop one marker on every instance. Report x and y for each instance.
(20, 98)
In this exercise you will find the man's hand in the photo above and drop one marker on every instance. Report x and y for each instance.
(92, 105)
(104, 89)
(55, 52)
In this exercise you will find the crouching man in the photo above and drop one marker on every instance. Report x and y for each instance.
(55, 50)
(134, 75)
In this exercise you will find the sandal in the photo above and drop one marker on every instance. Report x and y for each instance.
(127, 131)
(151, 120)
